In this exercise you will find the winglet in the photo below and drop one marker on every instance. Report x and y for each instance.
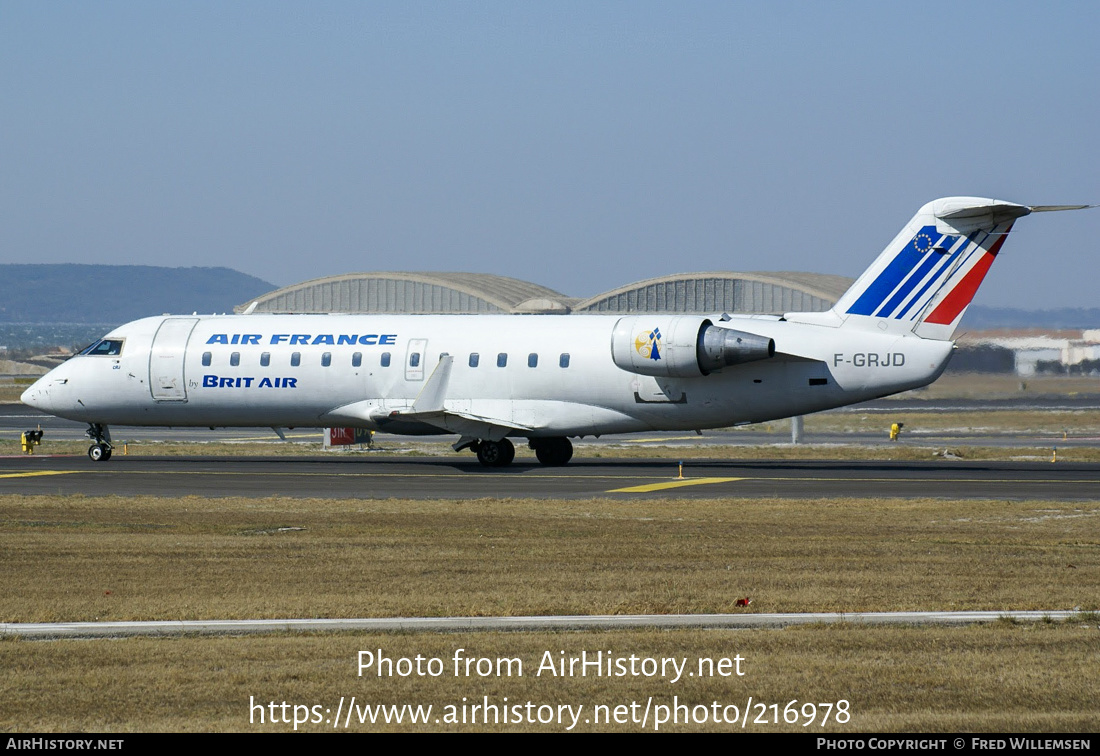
(433, 394)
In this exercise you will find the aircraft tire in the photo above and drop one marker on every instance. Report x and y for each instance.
(496, 453)
(554, 452)
(98, 453)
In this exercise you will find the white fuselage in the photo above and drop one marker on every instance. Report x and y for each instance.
(557, 376)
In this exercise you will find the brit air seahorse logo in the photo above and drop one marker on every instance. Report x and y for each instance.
(649, 344)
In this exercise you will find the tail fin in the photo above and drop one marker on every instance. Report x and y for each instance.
(926, 277)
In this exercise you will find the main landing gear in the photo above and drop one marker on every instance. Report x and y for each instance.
(100, 450)
(495, 453)
(549, 451)
(554, 452)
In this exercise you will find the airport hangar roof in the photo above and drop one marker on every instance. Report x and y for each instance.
(471, 293)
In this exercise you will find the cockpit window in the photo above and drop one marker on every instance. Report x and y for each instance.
(105, 348)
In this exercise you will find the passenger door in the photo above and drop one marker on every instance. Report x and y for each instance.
(166, 369)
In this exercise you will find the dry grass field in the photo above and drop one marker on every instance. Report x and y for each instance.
(78, 558)
(88, 558)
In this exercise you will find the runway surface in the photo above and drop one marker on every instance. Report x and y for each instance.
(461, 477)
(51, 630)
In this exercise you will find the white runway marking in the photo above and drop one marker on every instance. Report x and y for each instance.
(48, 630)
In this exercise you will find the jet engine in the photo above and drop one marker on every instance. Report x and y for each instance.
(682, 346)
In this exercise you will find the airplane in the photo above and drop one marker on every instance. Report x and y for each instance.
(544, 378)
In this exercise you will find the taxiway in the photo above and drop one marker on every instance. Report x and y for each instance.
(462, 477)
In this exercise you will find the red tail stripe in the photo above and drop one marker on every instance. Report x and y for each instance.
(964, 292)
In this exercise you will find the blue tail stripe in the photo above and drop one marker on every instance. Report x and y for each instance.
(948, 260)
(888, 280)
(930, 261)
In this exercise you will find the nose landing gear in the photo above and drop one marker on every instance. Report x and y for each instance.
(100, 450)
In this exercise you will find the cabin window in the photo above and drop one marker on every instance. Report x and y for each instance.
(532, 360)
(326, 359)
(474, 359)
(563, 361)
(206, 358)
(357, 359)
(414, 359)
(265, 359)
(502, 359)
(295, 359)
(385, 359)
(235, 359)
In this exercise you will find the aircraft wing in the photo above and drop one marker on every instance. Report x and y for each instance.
(464, 423)
(429, 409)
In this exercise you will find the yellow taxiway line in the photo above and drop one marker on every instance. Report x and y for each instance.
(39, 472)
(677, 483)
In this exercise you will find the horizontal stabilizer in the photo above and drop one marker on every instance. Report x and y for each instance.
(964, 215)
(1058, 208)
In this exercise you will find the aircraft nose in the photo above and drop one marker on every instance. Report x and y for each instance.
(53, 393)
(35, 396)
(46, 393)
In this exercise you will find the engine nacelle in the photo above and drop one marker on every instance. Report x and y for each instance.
(682, 346)
(721, 347)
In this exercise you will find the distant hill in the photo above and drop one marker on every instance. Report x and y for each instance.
(984, 318)
(118, 293)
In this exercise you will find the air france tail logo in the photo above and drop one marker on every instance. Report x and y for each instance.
(930, 264)
(649, 344)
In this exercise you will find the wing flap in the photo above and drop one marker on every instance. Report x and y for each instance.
(463, 423)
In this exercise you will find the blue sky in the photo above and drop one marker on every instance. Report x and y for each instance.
(578, 145)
